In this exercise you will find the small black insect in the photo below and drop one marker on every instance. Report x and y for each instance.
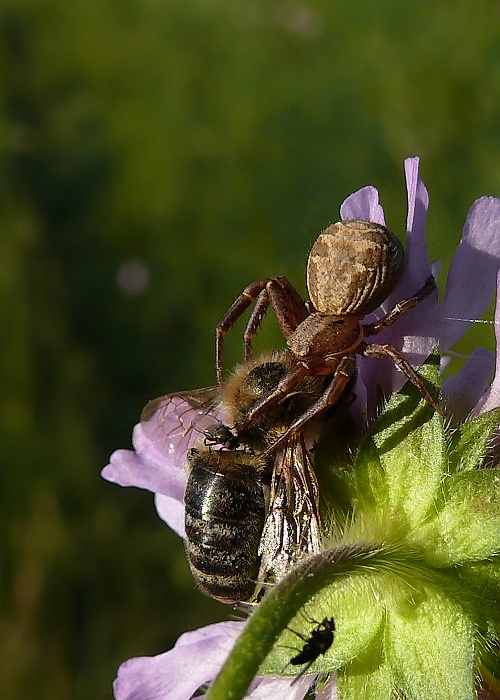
(220, 434)
(319, 642)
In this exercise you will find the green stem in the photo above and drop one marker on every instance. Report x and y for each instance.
(281, 603)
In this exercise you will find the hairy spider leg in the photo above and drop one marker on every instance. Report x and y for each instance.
(343, 371)
(288, 306)
(400, 308)
(386, 350)
(330, 396)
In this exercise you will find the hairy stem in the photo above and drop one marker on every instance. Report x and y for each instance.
(283, 601)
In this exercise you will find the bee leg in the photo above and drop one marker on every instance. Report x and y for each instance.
(400, 308)
(332, 393)
(386, 350)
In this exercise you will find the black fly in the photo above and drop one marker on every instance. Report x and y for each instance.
(319, 642)
(220, 434)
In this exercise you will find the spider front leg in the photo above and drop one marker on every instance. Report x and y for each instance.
(284, 387)
(237, 308)
(401, 308)
(332, 393)
(386, 350)
(260, 308)
(288, 306)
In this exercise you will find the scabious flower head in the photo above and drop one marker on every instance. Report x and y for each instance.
(410, 572)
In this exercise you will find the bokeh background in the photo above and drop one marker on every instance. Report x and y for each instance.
(157, 156)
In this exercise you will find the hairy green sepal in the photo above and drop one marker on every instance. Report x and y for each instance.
(410, 572)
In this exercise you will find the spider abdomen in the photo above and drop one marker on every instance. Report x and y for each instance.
(352, 267)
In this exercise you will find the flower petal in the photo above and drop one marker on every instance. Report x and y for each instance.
(329, 691)
(168, 472)
(363, 205)
(171, 511)
(174, 423)
(417, 266)
(277, 688)
(463, 391)
(145, 469)
(472, 275)
(491, 397)
(415, 332)
(177, 674)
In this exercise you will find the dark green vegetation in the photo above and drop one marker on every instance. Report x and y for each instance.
(211, 141)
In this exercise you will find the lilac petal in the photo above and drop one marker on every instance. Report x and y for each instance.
(171, 474)
(472, 275)
(145, 469)
(417, 269)
(357, 409)
(462, 391)
(363, 205)
(177, 674)
(491, 397)
(417, 261)
(276, 688)
(124, 468)
(171, 511)
(414, 333)
(329, 692)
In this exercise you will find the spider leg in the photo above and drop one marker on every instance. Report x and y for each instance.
(386, 350)
(329, 397)
(284, 387)
(258, 311)
(237, 308)
(288, 306)
(401, 308)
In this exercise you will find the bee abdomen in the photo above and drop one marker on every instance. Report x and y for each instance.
(225, 510)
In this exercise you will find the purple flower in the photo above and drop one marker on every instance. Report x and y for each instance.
(195, 660)
(469, 289)
(156, 463)
(174, 675)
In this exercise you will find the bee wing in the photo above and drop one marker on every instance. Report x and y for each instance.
(293, 525)
(174, 423)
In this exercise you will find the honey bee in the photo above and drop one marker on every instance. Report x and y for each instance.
(251, 511)
(225, 511)
(225, 497)
(293, 525)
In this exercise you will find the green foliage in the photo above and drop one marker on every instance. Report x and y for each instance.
(210, 141)
(412, 582)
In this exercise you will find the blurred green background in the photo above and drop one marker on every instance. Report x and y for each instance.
(157, 157)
